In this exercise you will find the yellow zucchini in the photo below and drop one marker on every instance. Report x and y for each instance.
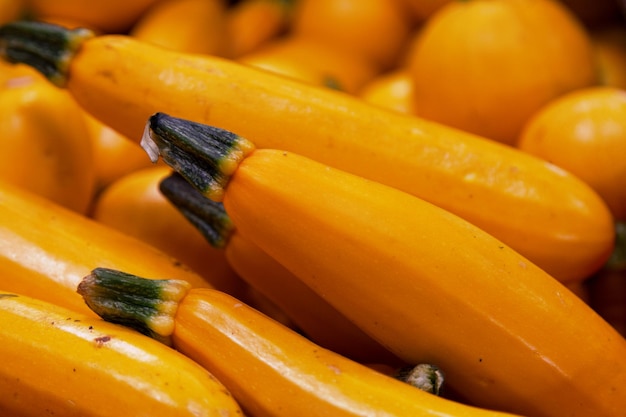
(271, 370)
(56, 362)
(426, 284)
(548, 215)
(44, 147)
(310, 312)
(134, 205)
(45, 250)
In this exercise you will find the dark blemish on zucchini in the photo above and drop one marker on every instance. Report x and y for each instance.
(8, 296)
(100, 341)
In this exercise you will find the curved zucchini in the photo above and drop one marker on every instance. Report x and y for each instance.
(45, 250)
(271, 370)
(548, 215)
(426, 284)
(310, 312)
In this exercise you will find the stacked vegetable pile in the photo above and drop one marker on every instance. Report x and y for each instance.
(313, 207)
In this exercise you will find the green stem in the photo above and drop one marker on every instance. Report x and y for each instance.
(146, 305)
(46, 47)
(206, 215)
(426, 377)
(204, 155)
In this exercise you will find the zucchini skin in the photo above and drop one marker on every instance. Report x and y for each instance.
(134, 205)
(503, 329)
(548, 215)
(425, 283)
(309, 312)
(58, 362)
(505, 332)
(102, 15)
(46, 249)
(282, 374)
(270, 369)
(47, 152)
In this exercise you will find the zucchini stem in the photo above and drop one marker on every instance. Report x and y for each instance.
(206, 215)
(47, 47)
(146, 305)
(425, 376)
(204, 155)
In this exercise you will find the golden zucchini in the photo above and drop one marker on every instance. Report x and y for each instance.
(45, 250)
(548, 215)
(58, 362)
(310, 312)
(271, 370)
(426, 284)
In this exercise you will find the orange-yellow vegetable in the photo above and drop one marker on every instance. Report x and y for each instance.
(319, 381)
(392, 90)
(319, 320)
(486, 66)
(425, 283)
(314, 60)
(277, 59)
(584, 132)
(253, 23)
(46, 249)
(58, 362)
(271, 370)
(44, 146)
(11, 10)
(134, 205)
(310, 312)
(546, 214)
(109, 16)
(375, 30)
(114, 155)
(193, 26)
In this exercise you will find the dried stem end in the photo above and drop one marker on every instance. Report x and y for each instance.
(424, 376)
(206, 215)
(146, 305)
(47, 47)
(204, 155)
